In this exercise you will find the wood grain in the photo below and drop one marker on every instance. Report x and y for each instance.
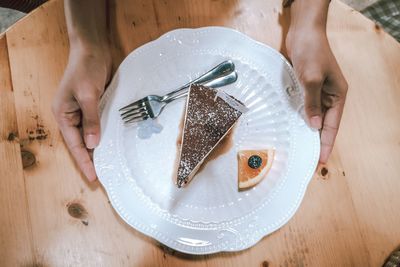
(369, 139)
(349, 216)
(15, 231)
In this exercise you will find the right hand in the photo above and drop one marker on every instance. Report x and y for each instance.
(75, 105)
(324, 84)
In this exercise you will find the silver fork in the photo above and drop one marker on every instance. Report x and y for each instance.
(151, 106)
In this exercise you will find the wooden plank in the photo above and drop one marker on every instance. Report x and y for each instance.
(72, 222)
(15, 232)
(368, 143)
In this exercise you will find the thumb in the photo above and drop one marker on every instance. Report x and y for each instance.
(312, 100)
(90, 120)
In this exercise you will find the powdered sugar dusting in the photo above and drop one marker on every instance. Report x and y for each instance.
(208, 119)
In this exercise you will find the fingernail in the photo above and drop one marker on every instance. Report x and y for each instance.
(316, 122)
(90, 172)
(92, 178)
(91, 141)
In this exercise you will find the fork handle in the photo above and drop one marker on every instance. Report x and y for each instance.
(218, 82)
(220, 70)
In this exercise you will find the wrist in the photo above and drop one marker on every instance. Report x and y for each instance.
(86, 52)
(87, 43)
(309, 32)
(86, 25)
(308, 16)
(300, 37)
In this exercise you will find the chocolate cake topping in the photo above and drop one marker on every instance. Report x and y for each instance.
(209, 117)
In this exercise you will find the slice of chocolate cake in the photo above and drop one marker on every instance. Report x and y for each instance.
(210, 114)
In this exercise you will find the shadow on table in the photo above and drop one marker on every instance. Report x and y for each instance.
(284, 22)
(184, 256)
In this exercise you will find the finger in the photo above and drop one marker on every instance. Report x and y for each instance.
(312, 84)
(89, 104)
(330, 130)
(75, 144)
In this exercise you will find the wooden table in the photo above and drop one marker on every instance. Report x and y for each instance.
(51, 217)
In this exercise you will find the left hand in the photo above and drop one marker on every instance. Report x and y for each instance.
(323, 82)
(75, 105)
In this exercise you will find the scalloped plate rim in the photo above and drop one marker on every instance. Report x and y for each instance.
(306, 180)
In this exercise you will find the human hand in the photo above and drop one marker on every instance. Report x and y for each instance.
(324, 85)
(75, 105)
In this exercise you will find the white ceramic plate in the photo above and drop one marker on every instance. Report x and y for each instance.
(135, 164)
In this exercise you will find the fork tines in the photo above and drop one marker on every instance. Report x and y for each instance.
(134, 112)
